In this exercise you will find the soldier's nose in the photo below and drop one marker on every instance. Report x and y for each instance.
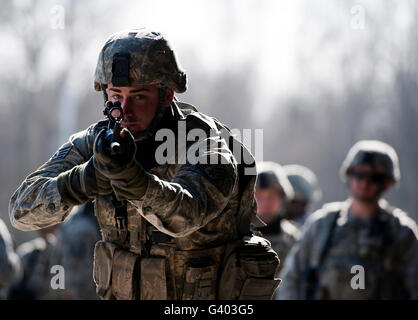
(125, 106)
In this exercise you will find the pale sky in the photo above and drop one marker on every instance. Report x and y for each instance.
(293, 45)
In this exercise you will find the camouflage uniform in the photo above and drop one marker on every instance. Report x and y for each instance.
(383, 247)
(196, 205)
(36, 260)
(281, 233)
(386, 246)
(175, 235)
(10, 267)
(74, 251)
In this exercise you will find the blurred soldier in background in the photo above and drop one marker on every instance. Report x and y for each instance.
(362, 248)
(306, 190)
(70, 246)
(36, 260)
(273, 190)
(74, 250)
(10, 265)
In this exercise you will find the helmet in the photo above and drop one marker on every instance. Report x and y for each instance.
(304, 182)
(136, 57)
(272, 175)
(376, 154)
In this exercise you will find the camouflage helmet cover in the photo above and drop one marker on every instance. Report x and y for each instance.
(376, 154)
(304, 182)
(272, 175)
(137, 57)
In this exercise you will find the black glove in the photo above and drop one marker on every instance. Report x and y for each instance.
(128, 179)
(82, 182)
(112, 164)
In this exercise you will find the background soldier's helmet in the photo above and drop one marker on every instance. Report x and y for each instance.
(137, 57)
(375, 154)
(272, 175)
(304, 183)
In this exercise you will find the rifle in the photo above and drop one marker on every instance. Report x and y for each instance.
(114, 113)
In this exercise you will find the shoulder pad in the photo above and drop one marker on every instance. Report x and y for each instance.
(403, 220)
(333, 206)
(186, 106)
(37, 244)
(327, 211)
(102, 123)
(192, 113)
(4, 232)
(81, 135)
(83, 140)
(391, 210)
(289, 228)
(204, 121)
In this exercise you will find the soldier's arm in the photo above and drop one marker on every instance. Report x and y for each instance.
(408, 245)
(197, 194)
(37, 203)
(10, 266)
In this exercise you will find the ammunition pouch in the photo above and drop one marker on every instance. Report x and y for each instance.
(243, 269)
(197, 273)
(200, 281)
(122, 275)
(249, 271)
(153, 278)
(115, 272)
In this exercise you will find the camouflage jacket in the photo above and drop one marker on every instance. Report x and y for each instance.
(196, 204)
(385, 246)
(10, 267)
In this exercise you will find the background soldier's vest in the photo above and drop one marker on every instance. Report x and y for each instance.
(369, 248)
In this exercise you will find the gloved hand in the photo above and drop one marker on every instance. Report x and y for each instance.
(82, 182)
(128, 179)
(110, 164)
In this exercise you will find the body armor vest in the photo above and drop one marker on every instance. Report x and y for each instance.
(136, 261)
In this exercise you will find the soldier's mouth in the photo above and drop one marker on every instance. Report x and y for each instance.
(129, 123)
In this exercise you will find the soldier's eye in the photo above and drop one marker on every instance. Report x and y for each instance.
(116, 97)
(139, 97)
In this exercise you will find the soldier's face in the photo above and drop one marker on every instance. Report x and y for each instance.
(367, 184)
(139, 104)
(269, 202)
